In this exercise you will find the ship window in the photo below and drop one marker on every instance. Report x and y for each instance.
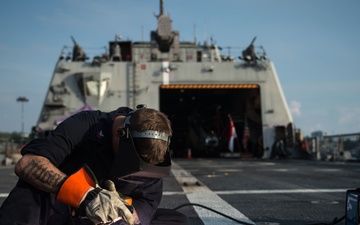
(198, 56)
(91, 88)
(96, 88)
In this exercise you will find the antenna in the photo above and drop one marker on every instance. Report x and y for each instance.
(142, 33)
(161, 9)
(195, 33)
(205, 31)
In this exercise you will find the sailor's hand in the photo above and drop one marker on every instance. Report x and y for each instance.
(101, 206)
(109, 185)
(107, 207)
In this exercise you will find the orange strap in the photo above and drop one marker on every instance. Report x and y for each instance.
(75, 187)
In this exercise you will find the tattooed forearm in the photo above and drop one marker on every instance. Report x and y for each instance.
(35, 170)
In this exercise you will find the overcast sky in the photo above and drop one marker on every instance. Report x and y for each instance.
(314, 45)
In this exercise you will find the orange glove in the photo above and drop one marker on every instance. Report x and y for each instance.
(101, 206)
(76, 186)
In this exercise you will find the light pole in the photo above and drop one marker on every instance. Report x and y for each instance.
(22, 100)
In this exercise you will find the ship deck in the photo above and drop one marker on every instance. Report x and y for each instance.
(276, 192)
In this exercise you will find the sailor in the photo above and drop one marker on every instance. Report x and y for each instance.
(69, 176)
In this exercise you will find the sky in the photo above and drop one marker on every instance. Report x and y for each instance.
(314, 45)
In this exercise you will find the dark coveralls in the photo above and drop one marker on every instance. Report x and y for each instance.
(84, 138)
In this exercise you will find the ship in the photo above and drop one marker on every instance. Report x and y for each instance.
(219, 105)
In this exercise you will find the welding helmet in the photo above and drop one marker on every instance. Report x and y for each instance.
(127, 161)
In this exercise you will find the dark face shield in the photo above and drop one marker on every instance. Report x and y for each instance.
(127, 162)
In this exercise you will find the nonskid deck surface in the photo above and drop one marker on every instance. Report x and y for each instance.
(285, 192)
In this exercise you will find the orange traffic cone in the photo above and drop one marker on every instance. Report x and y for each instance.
(189, 155)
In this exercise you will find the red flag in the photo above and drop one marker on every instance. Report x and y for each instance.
(232, 135)
(246, 136)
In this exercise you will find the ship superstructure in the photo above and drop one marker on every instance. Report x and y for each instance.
(217, 104)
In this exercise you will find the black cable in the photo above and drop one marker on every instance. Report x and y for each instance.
(213, 210)
(335, 221)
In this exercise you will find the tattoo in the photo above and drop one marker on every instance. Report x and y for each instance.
(34, 170)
